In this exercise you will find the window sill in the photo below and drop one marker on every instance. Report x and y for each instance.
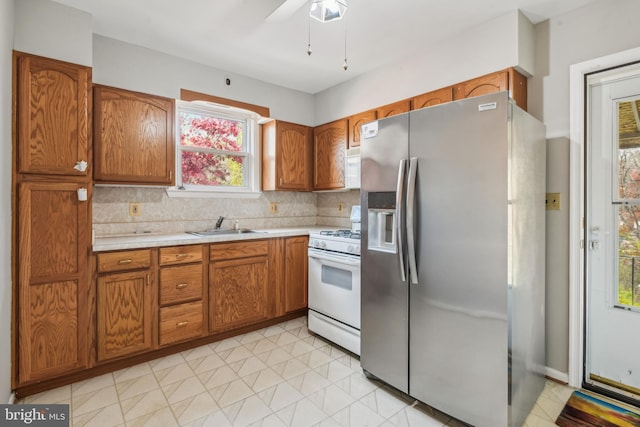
(187, 193)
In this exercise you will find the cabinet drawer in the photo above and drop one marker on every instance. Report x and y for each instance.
(179, 284)
(238, 249)
(180, 255)
(122, 261)
(180, 322)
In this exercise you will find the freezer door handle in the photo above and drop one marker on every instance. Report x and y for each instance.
(411, 238)
(399, 215)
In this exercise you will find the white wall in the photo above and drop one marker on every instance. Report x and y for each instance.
(6, 46)
(128, 66)
(506, 41)
(50, 29)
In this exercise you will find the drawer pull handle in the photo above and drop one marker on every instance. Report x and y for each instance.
(182, 255)
(125, 261)
(182, 324)
(181, 285)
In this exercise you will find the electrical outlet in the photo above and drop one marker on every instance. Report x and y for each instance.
(135, 209)
(552, 202)
(273, 208)
(340, 207)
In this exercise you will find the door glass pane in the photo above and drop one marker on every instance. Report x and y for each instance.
(628, 180)
(337, 277)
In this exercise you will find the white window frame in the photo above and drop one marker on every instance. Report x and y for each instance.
(251, 140)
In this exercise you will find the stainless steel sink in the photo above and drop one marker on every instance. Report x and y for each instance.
(221, 232)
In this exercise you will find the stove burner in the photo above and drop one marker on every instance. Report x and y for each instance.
(341, 233)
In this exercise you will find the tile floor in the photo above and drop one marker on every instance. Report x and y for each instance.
(277, 376)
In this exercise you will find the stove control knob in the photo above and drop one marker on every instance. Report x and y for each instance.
(312, 243)
(357, 249)
(322, 245)
(351, 249)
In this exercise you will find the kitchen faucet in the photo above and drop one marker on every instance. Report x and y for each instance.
(219, 222)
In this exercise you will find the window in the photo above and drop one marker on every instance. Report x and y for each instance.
(215, 149)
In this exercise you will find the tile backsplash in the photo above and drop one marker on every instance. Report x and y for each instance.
(161, 213)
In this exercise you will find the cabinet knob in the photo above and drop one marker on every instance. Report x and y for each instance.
(81, 166)
(182, 255)
(181, 285)
(182, 324)
(125, 261)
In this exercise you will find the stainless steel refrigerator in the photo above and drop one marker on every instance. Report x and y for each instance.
(453, 270)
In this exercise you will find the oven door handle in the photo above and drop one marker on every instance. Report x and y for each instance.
(322, 255)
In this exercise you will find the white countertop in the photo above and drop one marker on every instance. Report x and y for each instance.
(148, 240)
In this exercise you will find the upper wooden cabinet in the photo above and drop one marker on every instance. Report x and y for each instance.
(330, 144)
(54, 241)
(286, 156)
(430, 99)
(355, 122)
(133, 137)
(52, 116)
(393, 109)
(509, 79)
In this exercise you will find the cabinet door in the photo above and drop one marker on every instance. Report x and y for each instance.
(124, 306)
(238, 292)
(330, 143)
(430, 99)
(52, 116)
(133, 137)
(355, 123)
(491, 83)
(393, 109)
(293, 156)
(295, 274)
(52, 280)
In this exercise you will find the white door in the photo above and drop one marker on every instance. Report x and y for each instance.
(612, 230)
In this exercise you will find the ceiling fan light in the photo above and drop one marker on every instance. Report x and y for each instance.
(328, 10)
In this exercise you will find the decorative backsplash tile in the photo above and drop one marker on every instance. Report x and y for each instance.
(160, 213)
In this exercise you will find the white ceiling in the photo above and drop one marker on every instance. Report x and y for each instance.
(235, 36)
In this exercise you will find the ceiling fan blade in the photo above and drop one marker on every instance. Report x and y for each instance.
(285, 10)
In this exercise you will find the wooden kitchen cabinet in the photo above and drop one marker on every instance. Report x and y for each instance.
(295, 273)
(286, 156)
(52, 116)
(393, 109)
(133, 137)
(429, 99)
(330, 144)
(182, 311)
(52, 313)
(125, 304)
(239, 292)
(355, 122)
(509, 79)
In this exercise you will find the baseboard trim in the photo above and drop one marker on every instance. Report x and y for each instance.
(12, 398)
(556, 375)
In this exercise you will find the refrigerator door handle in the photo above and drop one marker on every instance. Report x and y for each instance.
(411, 238)
(399, 215)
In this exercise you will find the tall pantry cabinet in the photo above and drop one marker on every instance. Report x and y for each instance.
(51, 217)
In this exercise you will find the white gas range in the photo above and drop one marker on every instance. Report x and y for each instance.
(334, 287)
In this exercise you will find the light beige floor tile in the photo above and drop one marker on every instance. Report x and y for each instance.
(303, 413)
(262, 380)
(260, 346)
(217, 377)
(215, 419)
(231, 393)
(290, 368)
(280, 396)
(162, 418)
(135, 371)
(181, 390)
(272, 330)
(174, 374)
(224, 345)
(309, 382)
(144, 384)
(91, 385)
(269, 421)
(197, 353)
(316, 357)
(248, 366)
(334, 371)
(415, 416)
(235, 354)
(299, 348)
(106, 416)
(301, 332)
(386, 401)
(295, 323)
(56, 395)
(166, 362)
(92, 401)
(357, 385)
(330, 422)
(250, 337)
(331, 399)
(206, 363)
(283, 339)
(536, 421)
(193, 408)
(274, 357)
(143, 404)
(551, 407)
(247, 411)
(318, 342)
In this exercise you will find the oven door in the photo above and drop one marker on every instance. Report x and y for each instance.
(334, 286)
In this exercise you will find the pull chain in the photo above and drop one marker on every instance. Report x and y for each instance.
(309, 51)
(345, 65)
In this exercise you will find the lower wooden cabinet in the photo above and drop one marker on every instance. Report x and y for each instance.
(295, 273)
(181, 322)
(239, 291)
(124, 314)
